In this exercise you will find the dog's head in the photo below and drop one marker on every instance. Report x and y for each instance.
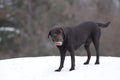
(57, 35)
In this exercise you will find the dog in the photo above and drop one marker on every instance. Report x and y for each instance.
(71, 38)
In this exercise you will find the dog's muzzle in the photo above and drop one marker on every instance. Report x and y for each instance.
(58, 43)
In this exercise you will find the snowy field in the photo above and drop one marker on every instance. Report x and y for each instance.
(42, 68)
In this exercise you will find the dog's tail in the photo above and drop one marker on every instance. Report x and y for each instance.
(103, 25)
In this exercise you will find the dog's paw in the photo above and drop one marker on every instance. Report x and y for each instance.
(71, 69)
(96, 63)
(86, 63)
(58, 70)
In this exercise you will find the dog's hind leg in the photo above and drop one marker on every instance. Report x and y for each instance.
(87, 47)
(96, 44)
(96, 39)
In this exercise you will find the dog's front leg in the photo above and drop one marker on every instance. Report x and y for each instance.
(62, 58)
(72, 54)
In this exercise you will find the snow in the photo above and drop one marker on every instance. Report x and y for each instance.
(11, 29)
(42, 68)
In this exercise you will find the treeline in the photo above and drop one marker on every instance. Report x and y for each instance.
(34, 18)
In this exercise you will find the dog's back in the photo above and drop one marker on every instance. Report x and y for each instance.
(79, 34)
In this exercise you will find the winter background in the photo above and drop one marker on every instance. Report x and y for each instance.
(42, 68)
(26, 53)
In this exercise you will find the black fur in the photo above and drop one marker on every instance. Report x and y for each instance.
(74, 37)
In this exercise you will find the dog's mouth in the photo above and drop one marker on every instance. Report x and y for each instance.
(58, 43)
(57, 40)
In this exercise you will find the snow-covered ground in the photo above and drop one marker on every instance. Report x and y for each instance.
(42, 68)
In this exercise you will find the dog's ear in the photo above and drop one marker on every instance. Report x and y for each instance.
(49, 34)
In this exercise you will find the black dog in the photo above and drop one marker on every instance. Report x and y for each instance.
(73, 37)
